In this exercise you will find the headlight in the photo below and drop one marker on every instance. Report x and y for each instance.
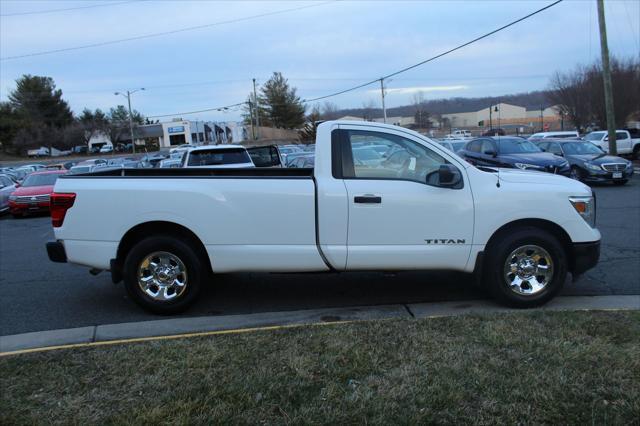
(629, 165)
(564, 164)
(525, 166)
(591, 166)
(586, 207)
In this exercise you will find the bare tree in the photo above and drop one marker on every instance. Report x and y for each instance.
(330, 111)
(367, 109)
(569, 92)
(421, 115)
(579, 94)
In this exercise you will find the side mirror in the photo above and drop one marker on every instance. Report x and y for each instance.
(449, 176)
(17, 184)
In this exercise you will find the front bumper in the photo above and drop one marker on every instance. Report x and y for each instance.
(56, 252)
(585, 256)
(602, 176)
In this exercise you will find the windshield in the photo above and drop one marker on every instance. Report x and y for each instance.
(41, 180)
(516, 146)
(578, 148)
(215, 157)
(595, 136)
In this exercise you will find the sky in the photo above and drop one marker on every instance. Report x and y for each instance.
(321, 47)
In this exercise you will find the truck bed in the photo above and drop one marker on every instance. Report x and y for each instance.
(267, 173)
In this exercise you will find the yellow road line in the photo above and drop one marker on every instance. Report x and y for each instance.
(168, 337)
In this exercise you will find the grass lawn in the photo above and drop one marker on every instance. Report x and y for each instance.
(529, 367)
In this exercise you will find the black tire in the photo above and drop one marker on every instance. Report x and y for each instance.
(17, 215)
(498, 253)
(636, 152)
(619, 182)
(195, 272)
(576, 173)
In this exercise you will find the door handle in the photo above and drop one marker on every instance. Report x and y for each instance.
(367, 199)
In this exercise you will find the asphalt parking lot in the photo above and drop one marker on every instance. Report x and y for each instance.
(37, 294)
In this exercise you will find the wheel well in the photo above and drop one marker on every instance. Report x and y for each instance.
(143, 230)
(552, 228)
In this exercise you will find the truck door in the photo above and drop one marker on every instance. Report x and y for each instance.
(399, 216)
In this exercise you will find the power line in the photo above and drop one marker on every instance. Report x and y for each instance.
(41, 12)
(434, 57)
(221, 108)
(180, 30)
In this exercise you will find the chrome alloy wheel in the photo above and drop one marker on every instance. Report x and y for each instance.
(528, 270)
(162, 276)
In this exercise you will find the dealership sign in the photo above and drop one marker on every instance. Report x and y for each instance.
(177, 129)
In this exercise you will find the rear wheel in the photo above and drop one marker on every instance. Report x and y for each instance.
(163, 274)
(636, 152)
(526, 268)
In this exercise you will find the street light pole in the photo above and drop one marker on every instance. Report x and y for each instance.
(128, 96)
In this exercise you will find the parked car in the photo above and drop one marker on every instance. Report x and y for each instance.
(40, 152)
(513, 152)
(266, 156)
(181, 148)
(218, 156)
(81, 168)
(291, 157)
(494, 132)
(80, 149)
(152, 160)
(300, 161)
(7, 186)
(521, 232)
(589, 163)
(453, 145)
(625, 144)
(171, 163)
(106, 149)
(460, 134)
(33, 195)
(569, 134)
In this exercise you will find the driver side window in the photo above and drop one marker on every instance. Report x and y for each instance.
(386, 156)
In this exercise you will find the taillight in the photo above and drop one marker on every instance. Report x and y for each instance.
(60, 203)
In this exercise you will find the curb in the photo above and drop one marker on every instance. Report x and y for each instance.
(187, 327)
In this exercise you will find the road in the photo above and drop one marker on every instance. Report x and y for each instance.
(37, 294)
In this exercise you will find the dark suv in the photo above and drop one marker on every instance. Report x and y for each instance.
(512, 152)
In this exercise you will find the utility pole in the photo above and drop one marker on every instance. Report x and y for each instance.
(128, 96)
(255, 101)
(253, 130)
(384, 109)
(606, 76)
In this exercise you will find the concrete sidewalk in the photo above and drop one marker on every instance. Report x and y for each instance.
(195, 325)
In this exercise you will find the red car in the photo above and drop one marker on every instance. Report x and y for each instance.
(32, 196)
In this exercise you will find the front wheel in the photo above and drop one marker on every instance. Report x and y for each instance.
(526, 268)
(575, 173)
(163, 274)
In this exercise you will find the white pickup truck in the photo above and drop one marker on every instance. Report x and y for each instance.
(625, 144)
(167, 232)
